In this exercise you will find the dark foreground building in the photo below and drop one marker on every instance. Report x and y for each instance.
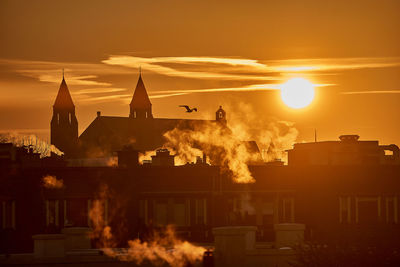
(352, 199)
(347, 187)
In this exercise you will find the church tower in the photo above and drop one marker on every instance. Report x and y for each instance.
(140, 106)
(64, 125)
(220, 116)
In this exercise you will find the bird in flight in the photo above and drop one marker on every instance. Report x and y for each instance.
(189, 110)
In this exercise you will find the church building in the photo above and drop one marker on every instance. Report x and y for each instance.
(108, 134)
(64, 125)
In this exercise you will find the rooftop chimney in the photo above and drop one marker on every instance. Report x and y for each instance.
(349, 138)
(98, 113)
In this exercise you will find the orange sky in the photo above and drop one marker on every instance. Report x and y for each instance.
(205, 54)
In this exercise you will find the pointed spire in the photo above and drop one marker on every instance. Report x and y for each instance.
(140, 98)
(63, 99)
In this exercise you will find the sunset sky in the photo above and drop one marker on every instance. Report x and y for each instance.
(205, 54)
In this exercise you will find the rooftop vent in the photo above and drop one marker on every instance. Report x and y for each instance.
(349, 138)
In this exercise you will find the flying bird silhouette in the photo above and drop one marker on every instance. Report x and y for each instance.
(189, 110)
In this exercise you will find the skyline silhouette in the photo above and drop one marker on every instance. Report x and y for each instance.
(353, 62)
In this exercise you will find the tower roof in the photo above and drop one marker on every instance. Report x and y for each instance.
(63, 99)
(140, 98)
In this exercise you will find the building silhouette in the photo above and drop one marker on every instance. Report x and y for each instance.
(140, 130)
(348, 151)
(346, 187)
(64, 124)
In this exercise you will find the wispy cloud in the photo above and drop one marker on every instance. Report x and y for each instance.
(155, 65)
(123, 97)
(265, 69)
(89, 79)
(99, 90)
(247, 88)
(80, 74)
(372, 92)
(333, 64)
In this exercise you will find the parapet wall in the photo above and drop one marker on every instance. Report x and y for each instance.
(236, 246)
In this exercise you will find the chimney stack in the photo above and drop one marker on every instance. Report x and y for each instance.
(98, 113)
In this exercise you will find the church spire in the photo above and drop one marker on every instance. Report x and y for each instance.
(64, 99)
(140, 106)
(64, 125)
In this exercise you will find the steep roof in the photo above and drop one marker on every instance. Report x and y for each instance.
(140, 98)
(63, 99)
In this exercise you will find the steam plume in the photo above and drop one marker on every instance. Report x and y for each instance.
(38, 145)
(51, 182)
(160, 249)
(226, 146)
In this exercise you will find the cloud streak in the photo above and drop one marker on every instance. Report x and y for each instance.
(247, 88)
(371, 92)
(155, 65)
(88, 78)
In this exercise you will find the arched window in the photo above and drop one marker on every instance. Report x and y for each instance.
(221, 115)
(134, 114)
(70, 117)
(58, 118)
(146, 114)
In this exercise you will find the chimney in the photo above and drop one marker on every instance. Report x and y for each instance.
(98, 113)
(163, 158)
(128, 157)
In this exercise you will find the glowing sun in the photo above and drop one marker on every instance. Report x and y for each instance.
(297, 93)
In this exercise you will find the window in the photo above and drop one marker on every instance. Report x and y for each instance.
(288, 210)
(58, 118)
(134, 114)
(220, 115)
(267, 212)
(344, 209)
(70, 117)
(160, 213)
(368, 210)
(201, 211)
(179, 210)
(76, 212)
(391, 209)
(143, 210)
(52, 217)
(7, 214)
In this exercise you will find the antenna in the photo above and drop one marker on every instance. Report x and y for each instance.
(63, 73)
(140, 70)
(315, 135)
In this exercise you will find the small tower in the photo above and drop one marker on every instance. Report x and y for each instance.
(220, 116)
(64, 125)
(140, 106)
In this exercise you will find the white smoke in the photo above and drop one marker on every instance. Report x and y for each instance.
(38, 145)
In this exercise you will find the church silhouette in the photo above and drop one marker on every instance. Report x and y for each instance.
(108, 134)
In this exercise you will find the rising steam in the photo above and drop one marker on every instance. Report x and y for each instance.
(163, 247)
(38, 145)
(51, 182)
(226, 146)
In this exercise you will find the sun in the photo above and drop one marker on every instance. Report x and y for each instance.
(297, 93)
